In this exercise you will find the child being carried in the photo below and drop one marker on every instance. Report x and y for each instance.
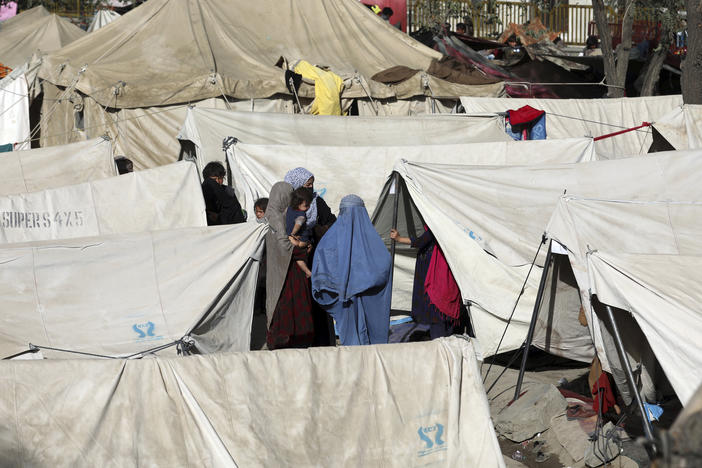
(296, 223)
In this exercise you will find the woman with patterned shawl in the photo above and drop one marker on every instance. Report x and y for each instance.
(288, 298)
(319, 219)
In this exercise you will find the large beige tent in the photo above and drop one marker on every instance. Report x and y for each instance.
(31, 15)
(204, 130)
(569, 118)
(130, 293)
(38, 31)
(56, 166)
(490, 221)
(345, 406)
(168, 53)
(166, 197)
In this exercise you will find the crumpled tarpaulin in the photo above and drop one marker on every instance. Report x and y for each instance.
(447, 68)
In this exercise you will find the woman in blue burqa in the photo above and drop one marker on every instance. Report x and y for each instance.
(351, 274)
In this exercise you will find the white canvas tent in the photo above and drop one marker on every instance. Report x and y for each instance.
(56, 166)
(682, 127)
(14, 109)
(662, 293)
(125, 294)
(163, 198)
(490, 220)
(666, 228)
(102, 18)
(568, 118)
(254, 409)
(341, 170)
(204, 130)
(166, 54)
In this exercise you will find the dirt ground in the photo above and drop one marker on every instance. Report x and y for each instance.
(543, 370)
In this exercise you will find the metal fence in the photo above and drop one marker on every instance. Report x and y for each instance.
(574, 22)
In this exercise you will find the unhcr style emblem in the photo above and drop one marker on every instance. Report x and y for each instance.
(144, 329)
(431, 437)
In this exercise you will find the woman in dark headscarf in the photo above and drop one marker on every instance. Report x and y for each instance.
(288, 298)
(351, 274)
(319, 216)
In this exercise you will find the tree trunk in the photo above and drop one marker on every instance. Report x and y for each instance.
(625, 46)
(603, 31)
(655, 62)
(615, 71)
(692, 65)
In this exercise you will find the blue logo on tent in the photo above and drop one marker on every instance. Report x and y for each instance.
(144, 329)
(322, 192)
(431, 437)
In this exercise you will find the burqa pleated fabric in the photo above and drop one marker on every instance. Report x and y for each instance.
(351, 274)
(278, 247)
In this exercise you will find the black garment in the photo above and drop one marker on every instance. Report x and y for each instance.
(221, 204)
(325, 219)
(323, 323)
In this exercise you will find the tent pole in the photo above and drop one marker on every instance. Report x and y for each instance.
(532, 324)
(395, 208)
(648, 430)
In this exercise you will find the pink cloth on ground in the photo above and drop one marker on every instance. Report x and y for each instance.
(441, 286)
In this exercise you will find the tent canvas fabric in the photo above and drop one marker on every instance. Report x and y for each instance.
(162, 198)
(567, 118)
(662, 293)
(489, 222)
(28, 16)
(144, 135)
(254, 409)
(206, 128)
(102, 18)
(14, 108)
(361, 170)
(56, 166)
(668, 226)
(26, 35)
(170, 52)
(681, 127)
(125, 294)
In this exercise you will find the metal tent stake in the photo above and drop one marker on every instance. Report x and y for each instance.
(532, 324)
(395, 206)
(629, 374)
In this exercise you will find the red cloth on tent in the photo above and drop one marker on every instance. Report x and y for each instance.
(441, 286)
(603, 388)
(524, 115)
